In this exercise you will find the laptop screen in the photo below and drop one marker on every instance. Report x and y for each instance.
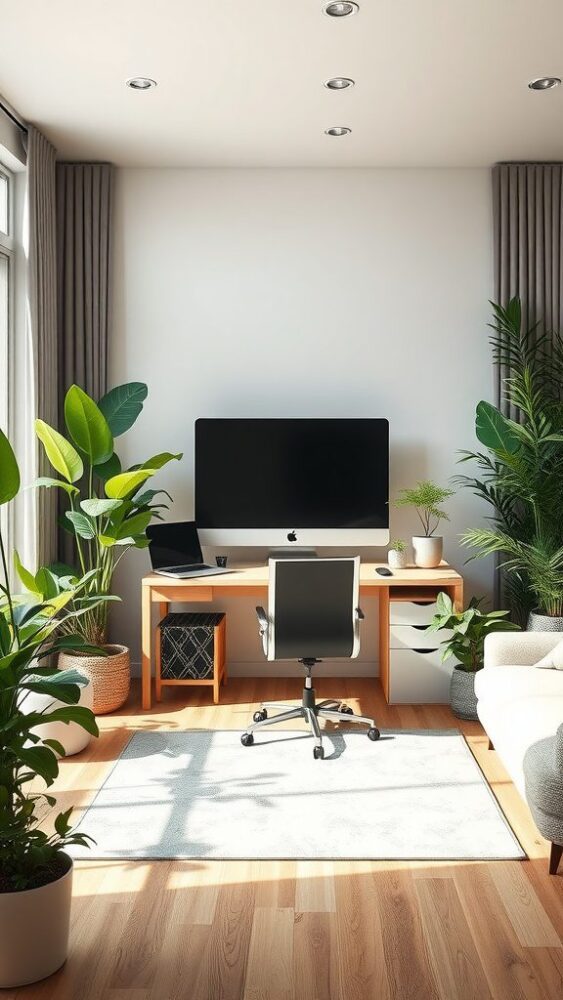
(174, 544)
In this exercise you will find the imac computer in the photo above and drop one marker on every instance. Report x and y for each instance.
(292, 482)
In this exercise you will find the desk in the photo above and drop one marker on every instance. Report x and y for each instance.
(409, 585)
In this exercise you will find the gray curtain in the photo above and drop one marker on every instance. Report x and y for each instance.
(528, 220)
(84, 225)
(42, 316)
(84, 245)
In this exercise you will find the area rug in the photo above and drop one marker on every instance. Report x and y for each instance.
(201, 794)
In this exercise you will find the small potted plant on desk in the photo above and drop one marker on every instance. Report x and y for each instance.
(109, 510)
(427, 499)
(397, 556)
(466, 643)
(35, 871)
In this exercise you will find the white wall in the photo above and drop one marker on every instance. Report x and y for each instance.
(304, 293)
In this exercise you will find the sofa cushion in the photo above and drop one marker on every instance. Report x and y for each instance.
(552, 660)
(502, 684)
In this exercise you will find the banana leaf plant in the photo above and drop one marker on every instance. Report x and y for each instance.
(30, 632)
(520, 469)
(108, 508)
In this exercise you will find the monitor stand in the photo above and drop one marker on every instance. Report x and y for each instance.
(293, 552)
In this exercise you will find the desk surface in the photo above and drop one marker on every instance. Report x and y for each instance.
(256, 575)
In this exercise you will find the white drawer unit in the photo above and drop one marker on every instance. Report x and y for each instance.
(416, 672)
(411, 612)
(418, 676)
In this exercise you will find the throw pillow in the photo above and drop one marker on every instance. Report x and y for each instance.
(553, 660)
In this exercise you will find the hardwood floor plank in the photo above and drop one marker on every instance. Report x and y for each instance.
(223, 967)
(548, 966)
(314, 888)
(527, 915)
(506, 964)
(407, 961)
(315, 957)
(272, 935)
(455, 959)
(362, 973)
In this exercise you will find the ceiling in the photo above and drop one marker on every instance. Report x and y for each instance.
(438, 82)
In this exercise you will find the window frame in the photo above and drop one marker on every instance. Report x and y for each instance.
(8, 253)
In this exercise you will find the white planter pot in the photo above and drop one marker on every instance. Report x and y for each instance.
(72, 736)
(427, 550)
(397, 560)
(34, 938)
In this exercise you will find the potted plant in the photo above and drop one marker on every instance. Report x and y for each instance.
(427, 499)
(466, 642)
(109, 510)
(35, 871)
(520, 471)
(397, 557)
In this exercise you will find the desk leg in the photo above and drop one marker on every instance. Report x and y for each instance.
(458, 596)
(146, 639)
(384, 640)
(162, 612)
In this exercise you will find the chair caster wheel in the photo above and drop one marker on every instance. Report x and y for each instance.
(260, 716)
(346, 709)
(373, 733)
(318, 753)
(247, 739)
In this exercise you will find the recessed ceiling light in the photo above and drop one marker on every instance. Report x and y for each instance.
(140, 83)
(340, 8)
(544, 83)
(338, 130)
(339, 83)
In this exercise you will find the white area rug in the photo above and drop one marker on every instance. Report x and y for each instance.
(199, 794)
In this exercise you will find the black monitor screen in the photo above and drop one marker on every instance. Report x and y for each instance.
(306, 473)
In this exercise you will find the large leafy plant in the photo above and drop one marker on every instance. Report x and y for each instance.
(108, 508)
(520, 470)
(427, 499)
(30, 632)
(469, 629)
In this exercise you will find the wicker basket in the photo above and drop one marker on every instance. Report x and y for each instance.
(110, 676)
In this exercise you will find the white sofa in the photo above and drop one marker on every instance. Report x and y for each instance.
(517, 703)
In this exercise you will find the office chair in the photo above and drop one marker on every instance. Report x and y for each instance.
(313, 612)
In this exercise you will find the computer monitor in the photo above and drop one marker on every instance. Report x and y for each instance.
(301, 482)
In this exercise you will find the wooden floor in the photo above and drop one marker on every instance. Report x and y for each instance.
(306, 930)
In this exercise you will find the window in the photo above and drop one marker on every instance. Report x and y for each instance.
(7, 266)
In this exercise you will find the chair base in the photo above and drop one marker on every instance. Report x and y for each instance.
(311, 712)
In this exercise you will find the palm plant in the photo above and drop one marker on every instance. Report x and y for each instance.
(427, 499)
(521, 471)
(109, 509)
(30, 633)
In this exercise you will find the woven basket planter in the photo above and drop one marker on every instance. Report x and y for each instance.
(110, 676)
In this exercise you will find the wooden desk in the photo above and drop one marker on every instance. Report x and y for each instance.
(410, 584)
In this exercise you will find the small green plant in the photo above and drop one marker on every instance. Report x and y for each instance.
(398, 545)
(469, 629)
(30, 636)
(427, 498)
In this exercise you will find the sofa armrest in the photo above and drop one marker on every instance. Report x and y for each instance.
(518, 648)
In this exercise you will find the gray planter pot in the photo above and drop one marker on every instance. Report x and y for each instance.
(462, 695)
(543, 623)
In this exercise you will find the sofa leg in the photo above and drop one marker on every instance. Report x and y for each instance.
(554, 858)
(491, 745)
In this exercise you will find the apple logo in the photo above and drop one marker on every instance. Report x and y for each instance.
(291, 537)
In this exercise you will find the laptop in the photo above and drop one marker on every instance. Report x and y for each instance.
(175, 551)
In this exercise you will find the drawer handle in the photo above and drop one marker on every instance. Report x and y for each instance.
(425, 651)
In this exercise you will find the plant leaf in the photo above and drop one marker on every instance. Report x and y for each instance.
(108, 469)
(87, 426)
(158, 461)
(81, 524)
(9, 471)
(122, 486)
(25, 576)
(493, 429)
(47, 482)
(121, 406)
(61, 454)
(96, 507)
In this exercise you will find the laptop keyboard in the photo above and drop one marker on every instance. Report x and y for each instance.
(190, 566)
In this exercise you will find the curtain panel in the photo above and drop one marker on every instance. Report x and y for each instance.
(528, 232)
(42, 318)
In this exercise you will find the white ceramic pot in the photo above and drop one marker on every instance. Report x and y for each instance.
(34, 938)
(427, 550)
(72, 736)
(397, 560)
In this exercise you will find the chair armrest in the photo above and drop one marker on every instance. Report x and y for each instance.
(518, 648)
(359, 614)
(262, 620)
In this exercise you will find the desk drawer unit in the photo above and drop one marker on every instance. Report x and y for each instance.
(416, 673)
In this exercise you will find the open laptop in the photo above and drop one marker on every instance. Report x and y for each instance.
(175, 551)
